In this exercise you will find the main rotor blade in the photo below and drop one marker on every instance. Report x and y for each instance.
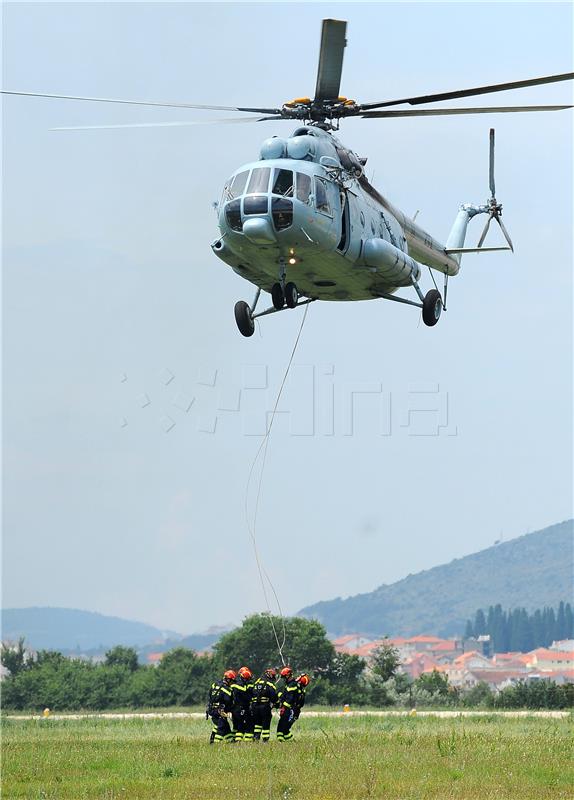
(491, 164)
(505, 232)
(485, 231)
(154, 103)
(497, 87)
(176, 124)
(330, 59)
(443, 112)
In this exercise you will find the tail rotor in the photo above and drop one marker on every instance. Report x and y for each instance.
(494, 208)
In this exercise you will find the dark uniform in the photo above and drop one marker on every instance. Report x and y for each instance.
(291, 701)
(242, 692)
(265, 696)
(219, 705)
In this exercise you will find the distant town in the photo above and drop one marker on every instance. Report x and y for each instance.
(467, 662)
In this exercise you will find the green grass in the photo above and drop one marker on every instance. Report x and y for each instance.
(343, 758)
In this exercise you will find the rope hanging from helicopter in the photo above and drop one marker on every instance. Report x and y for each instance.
(262, 452)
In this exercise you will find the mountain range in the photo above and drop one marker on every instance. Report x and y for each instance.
(531, 571)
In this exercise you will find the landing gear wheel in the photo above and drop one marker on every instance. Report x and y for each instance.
(277, 296)
(432, 307)
(291, 295)
(244, 318)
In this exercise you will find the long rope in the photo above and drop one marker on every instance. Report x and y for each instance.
(263, 575)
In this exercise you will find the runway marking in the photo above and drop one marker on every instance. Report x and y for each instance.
(201, 715)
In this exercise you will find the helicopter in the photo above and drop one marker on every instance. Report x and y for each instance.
(304, 223)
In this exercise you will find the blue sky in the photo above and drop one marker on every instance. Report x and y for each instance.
(132, 406)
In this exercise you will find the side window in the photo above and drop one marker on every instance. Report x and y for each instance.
(283, 183)
(303, 187)
(259, 182)
(321, 200)
(236, 185)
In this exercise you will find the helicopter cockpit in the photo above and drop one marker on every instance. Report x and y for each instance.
(263, 190)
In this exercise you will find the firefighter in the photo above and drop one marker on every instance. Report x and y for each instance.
(291, 701)
(219, 706)
(242, 691)
(264, 698)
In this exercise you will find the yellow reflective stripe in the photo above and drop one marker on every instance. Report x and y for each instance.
(226, 691)
(287, 705)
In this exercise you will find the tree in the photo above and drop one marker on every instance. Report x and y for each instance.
(385, 661)
(120, 656)
(479, 623)
(433, 682)
(253, 644)
(479, 695)
(183, 678)
(569, 621)
(343, 682)
(13, 657)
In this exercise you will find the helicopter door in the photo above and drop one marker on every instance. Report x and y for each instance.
(344, 240)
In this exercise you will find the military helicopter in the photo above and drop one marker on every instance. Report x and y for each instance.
(304, 223)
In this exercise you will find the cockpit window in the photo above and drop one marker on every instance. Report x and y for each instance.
(321, 200)
(233, 215)
(282, 212)
(236, 185)
(303, 187)
(255, 204)
(259, 182)
(283, 183)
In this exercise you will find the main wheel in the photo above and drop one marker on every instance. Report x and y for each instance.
(244, 318)
(277, 296)
(432, 307)
(291, 295)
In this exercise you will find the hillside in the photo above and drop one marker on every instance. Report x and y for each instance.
(531, 571)
(71, 629)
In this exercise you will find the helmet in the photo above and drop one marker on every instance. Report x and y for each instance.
(245, 673)
(270, 673)
(303, 680)
(229, 675)
(286, 672)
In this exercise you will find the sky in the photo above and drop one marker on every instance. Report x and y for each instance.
(133, 408)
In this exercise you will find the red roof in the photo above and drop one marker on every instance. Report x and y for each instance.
(444, 646)
(496, 675)
(425, 639)
(343, 640)
(154, 658)
(543, 654)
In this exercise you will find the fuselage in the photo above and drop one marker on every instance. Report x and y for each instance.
(306, 205)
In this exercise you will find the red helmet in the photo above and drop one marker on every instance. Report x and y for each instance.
(271, 672)
(286, 672)
(229, 675)
(245, 673)
(303, 680)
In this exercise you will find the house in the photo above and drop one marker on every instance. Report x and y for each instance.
(351, 641)
(545, 659)
(564, 645)
(419, 663)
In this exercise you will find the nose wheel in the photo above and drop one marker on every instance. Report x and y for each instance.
(277, 296)
(291, 295)
(245, 315)
(284, 297)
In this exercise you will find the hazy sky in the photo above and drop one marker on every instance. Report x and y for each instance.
(132, 406)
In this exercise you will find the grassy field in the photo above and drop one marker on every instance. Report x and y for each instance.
(344, 758)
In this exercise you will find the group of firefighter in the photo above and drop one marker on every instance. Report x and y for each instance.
(249, 704)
